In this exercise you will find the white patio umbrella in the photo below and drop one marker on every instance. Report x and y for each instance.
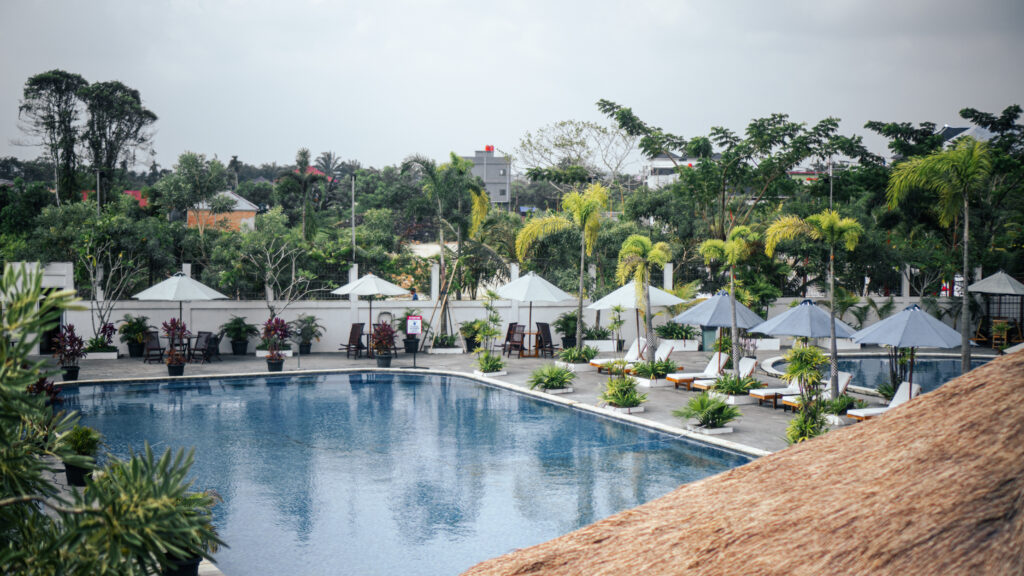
(911, 328)
(370, 285)
(805, 320)
(626, 297)
(179, 288)
(532, 288)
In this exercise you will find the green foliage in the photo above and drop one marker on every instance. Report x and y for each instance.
(550, 376)
(565, 324)
(621, 392)
(805, 425)
(382, 339)
(597, 333)
(674, 331)
(307, 328)
(133, 328)
(839, 405)
(83, 440)
(237, 329)
(735, 386)
(710, 412)
(886, 389)
(444, 340)
(68, 346)
(488, 361)
(578, 354)
(654, 369)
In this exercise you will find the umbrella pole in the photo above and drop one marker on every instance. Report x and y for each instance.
(369, 325)
(911, 391)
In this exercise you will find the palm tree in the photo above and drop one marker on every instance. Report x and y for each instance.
(331, 165)
(957, 175)
(304, 179)
(636, 258)
(827, 226)
(581, 211)
(734, 249)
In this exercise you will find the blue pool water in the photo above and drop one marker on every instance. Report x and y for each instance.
(930, 373)
(391, 474)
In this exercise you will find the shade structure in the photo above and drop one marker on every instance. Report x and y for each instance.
(532, 288)
(716, 312)
(179, 288)
(626, 298)
(998, 283)
(805, 320)
(911, 328)
(370, 285)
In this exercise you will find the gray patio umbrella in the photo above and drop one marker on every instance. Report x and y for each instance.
(179, 288)
(532, 288)
(911, 328)
(716, 312)
(805, 320)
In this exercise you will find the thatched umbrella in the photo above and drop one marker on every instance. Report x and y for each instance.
(935, 486)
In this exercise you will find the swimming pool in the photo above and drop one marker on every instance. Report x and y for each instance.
(385, 474)
(930, 373)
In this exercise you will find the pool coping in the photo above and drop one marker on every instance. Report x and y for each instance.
(677, 432)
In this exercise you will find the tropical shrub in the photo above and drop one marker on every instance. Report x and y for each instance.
(654, 369)
(237, 329)
(102, 342)
(444, 341)
(307, 328)
(805, 425)
(565, 324)
(133, 328)
(597, 333)
(382, 339)
(550, 376)
(82, 440)
(887, 390)
(614, 367)
(734, 385)
(621, 393)
(674, 331)
(578, 354)
(68, 346)
(710, 412)
(275, 333)
(488, 361)
(839, 405)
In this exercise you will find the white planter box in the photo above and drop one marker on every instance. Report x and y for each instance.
(633, 410)
(846, 344)
(683, 345)
(566, 390)
(768, 343)
(577, 368)
(709, 431)
(648, 383)
(445, 351)
(100, 356)
(265, 353)
(601, 345)
(735, 400)
(490, 374)
(837, 421)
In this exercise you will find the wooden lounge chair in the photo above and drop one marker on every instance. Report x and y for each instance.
(517, 344)
(152, 350)
(793, 400)
(508, 337)
(773, 395)
(632, 355)
(545, 345)
(903, 395)
(201, 349)
(747, 366)
(712, 370)
(355, 341)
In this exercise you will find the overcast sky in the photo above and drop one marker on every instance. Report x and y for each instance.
(378, 81)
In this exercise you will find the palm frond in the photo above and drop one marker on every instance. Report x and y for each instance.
(538, 229)
(785, 228)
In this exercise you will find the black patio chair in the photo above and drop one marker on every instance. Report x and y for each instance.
(508, 337)
(545, 345)
(201, 350)
(355, 341)
(152, 350)
(517, 343)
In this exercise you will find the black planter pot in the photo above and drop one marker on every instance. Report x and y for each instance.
(568, 341)
(135, 349)
(383, 361)
(275, 365)
(619, 345)
(175, 369)
(70, 373)
(76, 475)
(472, 344)
(186, 567)
(305, 348)
(239, 347)
(411, 345)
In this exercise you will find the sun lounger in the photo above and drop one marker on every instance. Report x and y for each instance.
(747, 366)
(901, 397)
(660, 355)
(712, 370)
(632, 355)
(793, 400)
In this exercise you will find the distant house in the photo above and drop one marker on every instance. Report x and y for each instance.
(661, 171)
(495, 171)
(951, 133)
(242, 214)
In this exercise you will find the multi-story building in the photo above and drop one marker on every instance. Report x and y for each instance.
(661, 171)
(495, 171)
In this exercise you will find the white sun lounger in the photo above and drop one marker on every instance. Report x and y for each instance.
(747, 366)
(712, 370)
(632, 354)
(901, 397)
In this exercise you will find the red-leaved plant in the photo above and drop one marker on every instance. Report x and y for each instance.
(275, 333)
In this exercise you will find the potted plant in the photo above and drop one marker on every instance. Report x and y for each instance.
(600, 338)
(175, 331)
(68, 349)
(649, 372)
(275, 333)
(133, 332)
(84, 442)
(682, 336)
(565, 325)
(239, 331)
(620, 393)
(712, 414)
(195, 504)
(444, 344)
(734, 390)
(835, 409)
(552, 379)
(101, 346)
(576, 359)
(615, 325)
(381, 341)
(804, 367)
(470, 331)
(412, 341)
(307, 328)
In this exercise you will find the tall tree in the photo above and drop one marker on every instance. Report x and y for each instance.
(637, 258)
(194, 183)
(234, 166)
(331, 165)
(116, 128)
(582, 211)
(50, 108)
(957, 176)
(829, 227)
(305, 179)
(733, 250)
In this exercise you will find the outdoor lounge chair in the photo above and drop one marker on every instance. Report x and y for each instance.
(152, 351)
(712, 370)
(518, 342)
(747, 366)
(660, 355)
(508, 337)
(201, 349)
(793, 400)
(545, 345)
(355, 341)
(632, 355)
(903, 394)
